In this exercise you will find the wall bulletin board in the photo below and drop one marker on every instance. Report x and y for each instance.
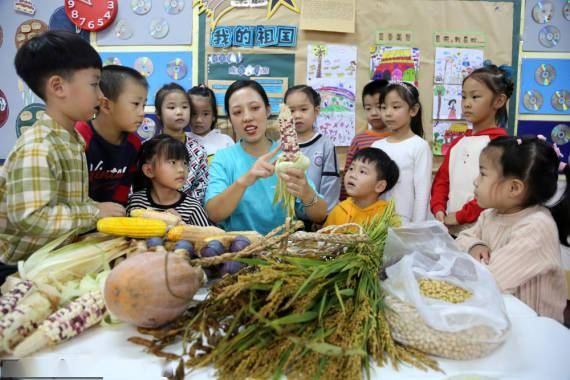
(489, 24)
(491, 21)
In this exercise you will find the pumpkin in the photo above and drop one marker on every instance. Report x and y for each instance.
(136, 290)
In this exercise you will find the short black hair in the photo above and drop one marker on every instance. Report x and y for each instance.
(161, 95)
(374, 87)
(55, 52)
(238, 85)
(206, 92)
(386, 168)
(113, 79)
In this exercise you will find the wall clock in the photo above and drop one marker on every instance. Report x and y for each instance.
(91, 15)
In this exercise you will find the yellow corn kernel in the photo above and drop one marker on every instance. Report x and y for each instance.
(193, 233)
(132, 227)
(167, 217)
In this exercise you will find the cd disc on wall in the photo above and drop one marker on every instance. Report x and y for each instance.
(141, 7)
(173, 7)
(566, 11)
(532, 100)
(111, 61)
(542, 12)
(176, 69)
(158, 28)
(545, 74)
(549, 36)
(144, 66)
(560, 134)
(561, 100)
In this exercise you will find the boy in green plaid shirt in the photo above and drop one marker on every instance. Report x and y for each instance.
(44, 181)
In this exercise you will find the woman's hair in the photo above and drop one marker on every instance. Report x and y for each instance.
(163, 92)
(238, 85)
(535, 162)
(206, 92)
(160, 147)
(313, 96)
(410, 94)
(499, 82)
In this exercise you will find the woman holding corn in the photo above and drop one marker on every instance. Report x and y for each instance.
(242, 177)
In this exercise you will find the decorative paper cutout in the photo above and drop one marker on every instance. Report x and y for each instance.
(446, 102)
(452, 65)
(444, 133)
(221, 58)
(399, 63)
(273, 5)
(214, 9)
(331, 70)
(249, 70)
(28, 116)
(250, 36)
(29, 29)
(4, 109)
(25, 6)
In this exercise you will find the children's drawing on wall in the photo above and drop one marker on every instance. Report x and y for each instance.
(331, 70)
(446, 102)
(395, 63)
(444, 133)
(452, 64)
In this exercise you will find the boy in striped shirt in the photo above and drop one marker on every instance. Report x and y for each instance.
(371, 102)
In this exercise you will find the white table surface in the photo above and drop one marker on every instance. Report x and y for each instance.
(536, 348)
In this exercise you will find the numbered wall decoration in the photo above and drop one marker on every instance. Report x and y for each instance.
(91, 15)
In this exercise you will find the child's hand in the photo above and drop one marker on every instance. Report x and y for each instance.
(451, 219)
(262, 168)
(297, 184)
(481, 252)
(440, 216)
(110, 209)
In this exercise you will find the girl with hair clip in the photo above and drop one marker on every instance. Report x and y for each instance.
(402, 114)
(203, 120)
(484, 99)
(242, 177)
(518, 237)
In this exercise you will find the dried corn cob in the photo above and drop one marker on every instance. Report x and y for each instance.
(24, 320)
(168, 218)
(194, 234)
(132, 227)
(66, 323)
(9, 301)
(291, 157)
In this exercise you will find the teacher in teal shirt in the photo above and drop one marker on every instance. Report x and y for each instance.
(242, 177)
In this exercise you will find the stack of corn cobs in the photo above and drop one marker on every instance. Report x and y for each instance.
(309, 306)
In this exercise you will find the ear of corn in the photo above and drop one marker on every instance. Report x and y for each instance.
(23, 320)
(194, 234)
(140, 228)
(291, 157)
(67, 322)
(168, 218)
(9, 301)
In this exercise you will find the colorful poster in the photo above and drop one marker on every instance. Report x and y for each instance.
(446, 102)
(453, 64)
(444, 133)
(331, 70)
(395, 63)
